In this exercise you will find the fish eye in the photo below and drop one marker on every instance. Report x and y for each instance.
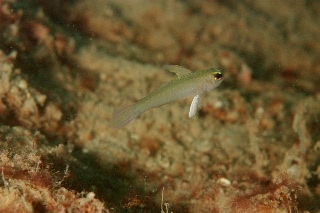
(217, 75)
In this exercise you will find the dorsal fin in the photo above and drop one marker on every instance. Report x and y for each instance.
(180, 71)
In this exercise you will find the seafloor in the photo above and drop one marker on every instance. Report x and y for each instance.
(66, 65)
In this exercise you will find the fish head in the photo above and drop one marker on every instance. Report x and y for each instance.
(213, 79)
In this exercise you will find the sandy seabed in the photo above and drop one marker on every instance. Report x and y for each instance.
(66, 65)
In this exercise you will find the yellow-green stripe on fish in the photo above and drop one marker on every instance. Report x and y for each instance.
(188, 84)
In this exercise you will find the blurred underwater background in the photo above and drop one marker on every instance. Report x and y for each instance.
(254, 145)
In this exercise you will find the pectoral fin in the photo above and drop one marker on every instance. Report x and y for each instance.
(180, 71)
(194, 106)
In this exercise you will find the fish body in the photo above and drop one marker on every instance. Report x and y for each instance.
(188, 84)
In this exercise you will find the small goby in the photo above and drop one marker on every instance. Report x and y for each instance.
(188, 84)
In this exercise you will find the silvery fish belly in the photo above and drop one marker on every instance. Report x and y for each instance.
(188, 84)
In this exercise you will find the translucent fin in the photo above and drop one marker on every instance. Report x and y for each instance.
(122, 117)
(194, 106)
(180, 71)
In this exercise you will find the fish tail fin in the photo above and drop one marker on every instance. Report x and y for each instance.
(122, 117)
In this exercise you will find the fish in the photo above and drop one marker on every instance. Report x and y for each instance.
(188, 84)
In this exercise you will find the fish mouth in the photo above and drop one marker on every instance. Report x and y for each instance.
(218, 81)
